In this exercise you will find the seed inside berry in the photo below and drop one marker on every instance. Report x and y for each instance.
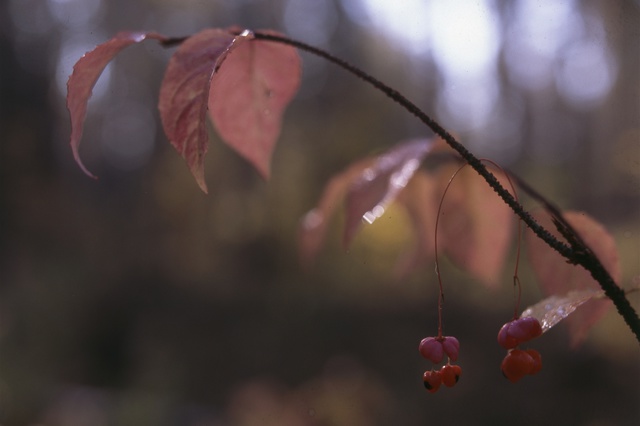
(432, 380)
(450, 374)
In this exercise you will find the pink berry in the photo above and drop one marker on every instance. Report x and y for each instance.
(451, 346)
(531, 327)
(505, 339)
(525, 328)
(519, 331)
(431, 349)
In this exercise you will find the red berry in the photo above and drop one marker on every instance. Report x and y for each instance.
(450, 374)
(451, 346)
(517, 364)
(432, 380)
(458, 370)
(431, 349)
(537, 361)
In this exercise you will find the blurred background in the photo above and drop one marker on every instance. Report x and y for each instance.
(138, 300)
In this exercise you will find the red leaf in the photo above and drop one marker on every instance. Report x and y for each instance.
(84, 76)
(419, 198)
(313, 226)
(378, 185)
(553, 309)
(475, 226)
(248, 96)
(184, 93)
(556, 276)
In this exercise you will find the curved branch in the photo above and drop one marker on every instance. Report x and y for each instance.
(578, 253)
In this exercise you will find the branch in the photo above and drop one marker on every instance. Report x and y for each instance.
(578, 253)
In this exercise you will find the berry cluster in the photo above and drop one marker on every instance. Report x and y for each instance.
(519, 363)
(448, 375)
(434, 349)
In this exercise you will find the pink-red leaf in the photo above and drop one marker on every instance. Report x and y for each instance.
(84, 76)
(248, 96)
(554, 309)
(475, 225)
(184, 94)
(556, 276)
(419, 198)
(378, 185)
(313, 226)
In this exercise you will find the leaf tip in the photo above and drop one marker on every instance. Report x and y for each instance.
(310, 236)
(264, 170)
(197, 171)
(348, 235)
(76, 156)
(201, 183)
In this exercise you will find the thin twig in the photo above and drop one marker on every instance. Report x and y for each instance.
(579, 253)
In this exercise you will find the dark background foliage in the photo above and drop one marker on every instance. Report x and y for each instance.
(136, 299)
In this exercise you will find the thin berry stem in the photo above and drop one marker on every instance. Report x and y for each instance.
(517, 287)
(435, 251)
